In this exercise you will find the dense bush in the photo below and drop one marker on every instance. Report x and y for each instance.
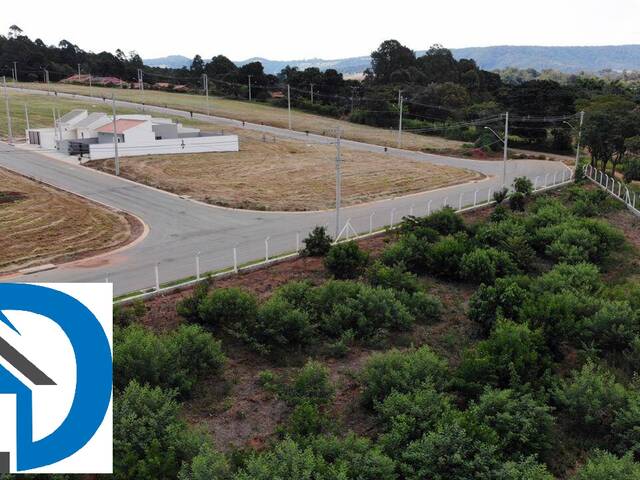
(401, 372)
(188, 307)
(346, 260)
(522, 423)
(445, 221)
(500, 196)
(150, 439)
(514, 356)
(445, 256)
(517, 202)
(128, 314)
(484, 265)
(318, 243)
(523, 186)
(395, 277)
(228, 309)
(410, 251)
(590, 399)
(208, 464)
(613, 327)
(176, 360)
(605, 466)
(503, 299)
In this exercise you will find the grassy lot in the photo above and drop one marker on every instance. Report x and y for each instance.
(267, 173)
(256, 112)
(42, 225)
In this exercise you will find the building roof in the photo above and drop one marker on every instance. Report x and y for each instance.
(72, 115)
(91, 119)
(121, 126)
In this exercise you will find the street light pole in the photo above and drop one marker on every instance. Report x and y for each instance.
(400, 121)
(205, 81)
(505, 142)
(250, 86)
(578, 143)
(312, 94)
(15, 72)
(289, 104)
(6, 98)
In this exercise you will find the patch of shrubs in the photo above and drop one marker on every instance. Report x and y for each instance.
(346, 260)
(175, 360)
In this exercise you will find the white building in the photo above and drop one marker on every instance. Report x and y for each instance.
(81, 133)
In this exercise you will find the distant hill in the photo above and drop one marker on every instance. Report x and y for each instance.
(564, 59)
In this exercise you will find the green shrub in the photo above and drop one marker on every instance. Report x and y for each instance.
(229, 309)
(286, 460)
(626, 425)
(632, 170)
(423, 307)
(445, 221)
(590, 399)
(188, 307)
(500, 196)
(517, 202)
(405, 417)
(318, 243)
(484, 265)
(395, 277)
(527, 469)
(613, 327)
(311, 384)
(523, 424)
(401, 372)
(346, 260)
(306, 420)
(503, 299)
(523, 186)
(514, 356)
(582, 278)
(124, 315)
(445, 256)
(278, 326)
(499, 214)
(410, 251)
(176, 360)
(449, 453)
(150, 439)
(206, 465)
(606, 466)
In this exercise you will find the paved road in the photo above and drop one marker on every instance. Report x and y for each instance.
(179, 228)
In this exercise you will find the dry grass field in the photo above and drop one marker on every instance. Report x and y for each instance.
(42, 225)
(256, 112)
(285, 175)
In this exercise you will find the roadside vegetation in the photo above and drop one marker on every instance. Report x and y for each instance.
(498, 345)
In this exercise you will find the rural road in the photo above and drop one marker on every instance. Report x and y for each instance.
(180, 228)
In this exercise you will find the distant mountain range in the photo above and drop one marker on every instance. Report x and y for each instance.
(564, 59)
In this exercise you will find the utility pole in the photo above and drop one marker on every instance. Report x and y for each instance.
(140, 86)
(250, 86)
(115, 135)
(578, 143)
(6, 99)
(506, 147)
(289, 103)
(46, 79)
(353, 89)
(400, 101)
(15, 72)
(312, 94)
(205, 82)
(338, 182)
(79, 72)
(90, 86)
(26, 116)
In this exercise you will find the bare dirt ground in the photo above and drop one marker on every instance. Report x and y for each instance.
(40, 225)
(275, 174)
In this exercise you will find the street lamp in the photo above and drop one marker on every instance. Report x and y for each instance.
(579, 129)
(505, 142)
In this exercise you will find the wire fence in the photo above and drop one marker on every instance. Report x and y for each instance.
(171, 274)
(613, 186)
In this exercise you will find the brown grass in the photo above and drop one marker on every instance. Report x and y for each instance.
(278, 174)
(40, 225)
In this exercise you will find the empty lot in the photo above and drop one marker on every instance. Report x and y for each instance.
(42, 225)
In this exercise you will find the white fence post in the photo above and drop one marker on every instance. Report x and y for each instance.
(157, 277)
(266, 249)
(535, 183)
(198, 266)
(393, 211)
(475, 198)
(489, 196)
(460, 201)
(445, 201)
(297, 242)
(546, 176)
(429, 207)
(555, 175)
(371, 222)
(411, 210)
(106, 279)
(235, 259)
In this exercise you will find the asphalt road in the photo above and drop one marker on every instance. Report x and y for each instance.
(180, 228)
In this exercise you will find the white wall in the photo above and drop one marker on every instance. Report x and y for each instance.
(224, 143)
